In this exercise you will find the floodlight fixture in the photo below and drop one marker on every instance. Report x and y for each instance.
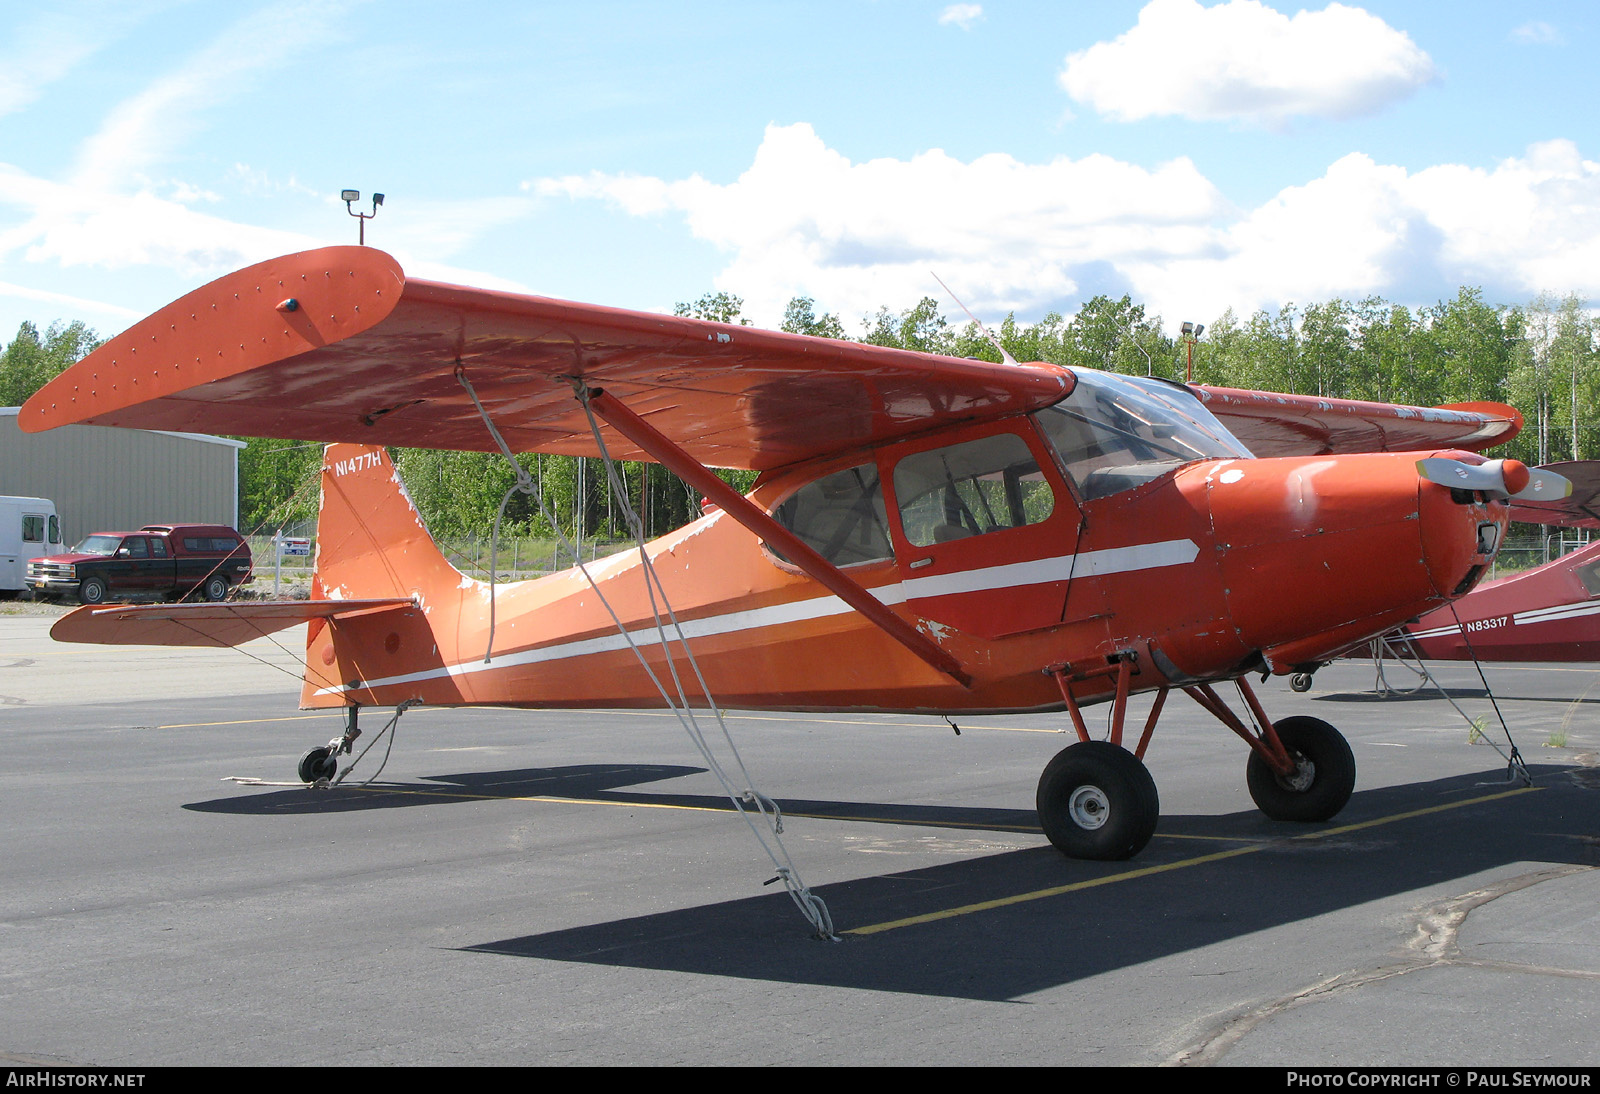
(1191, 332)
(350, 196)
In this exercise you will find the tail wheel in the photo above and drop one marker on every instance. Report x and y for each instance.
(1323, 778)
(1097, 801)
(319, 763)
(1300, 681)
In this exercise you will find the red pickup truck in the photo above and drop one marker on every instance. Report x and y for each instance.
(160, 560)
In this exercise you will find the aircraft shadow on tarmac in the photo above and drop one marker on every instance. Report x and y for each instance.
(1173, 900)
(591, 782)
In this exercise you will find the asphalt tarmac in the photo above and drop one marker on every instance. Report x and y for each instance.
(571, 888)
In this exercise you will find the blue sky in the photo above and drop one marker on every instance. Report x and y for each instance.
(1196, 155)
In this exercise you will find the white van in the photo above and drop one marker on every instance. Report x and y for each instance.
(29, 528)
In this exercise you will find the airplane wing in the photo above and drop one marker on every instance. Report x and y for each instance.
(337, 344)
(1580, 509)
(1308, 425)
(228, 623)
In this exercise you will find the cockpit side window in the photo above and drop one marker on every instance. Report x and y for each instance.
(1117, 432)
(971, 489)
(841, 516)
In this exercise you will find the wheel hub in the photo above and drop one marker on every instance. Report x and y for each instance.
(1304, 774)
(1089, 807)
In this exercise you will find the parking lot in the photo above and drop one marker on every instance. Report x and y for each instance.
(570, 887)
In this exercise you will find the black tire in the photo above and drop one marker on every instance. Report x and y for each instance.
(1300, 681)
(319, 763)
(92, 590)
(1098, 801)
(215, 588)
(1323, 779)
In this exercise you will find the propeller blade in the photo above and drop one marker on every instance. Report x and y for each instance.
(1544, 485)
(1499, 478)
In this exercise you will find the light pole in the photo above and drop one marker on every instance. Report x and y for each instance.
(349, 196)
(1191, 334)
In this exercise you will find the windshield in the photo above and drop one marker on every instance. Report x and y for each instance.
(98, 545)
(1116, 432)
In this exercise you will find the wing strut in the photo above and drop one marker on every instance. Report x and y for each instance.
(693, 472)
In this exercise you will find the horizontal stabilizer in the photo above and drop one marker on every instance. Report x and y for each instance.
(224, 624)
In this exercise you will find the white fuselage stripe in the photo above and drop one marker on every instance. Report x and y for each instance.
(1520, 619)
(1143, 556)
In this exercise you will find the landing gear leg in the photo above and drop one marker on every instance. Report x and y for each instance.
(1096, 799)
(320, 765)
(1300, 769)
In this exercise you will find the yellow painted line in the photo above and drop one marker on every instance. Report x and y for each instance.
(819, 721)
(441, 793)
(1147, 871)
(1057, 890)
(291, 718)
(1393, 817)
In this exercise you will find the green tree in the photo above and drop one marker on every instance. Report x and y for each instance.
(30, 360)
(801, 317)
(921, 328)
(719, 307)
(277, 483)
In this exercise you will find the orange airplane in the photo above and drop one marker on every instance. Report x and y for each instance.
(927, 534)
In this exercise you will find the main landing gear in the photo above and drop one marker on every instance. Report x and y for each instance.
(319, 766)
(1097, 800)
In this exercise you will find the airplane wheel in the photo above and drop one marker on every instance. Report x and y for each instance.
(1300, 681)
(1098, 801)
(1322, 781)
(319, 763)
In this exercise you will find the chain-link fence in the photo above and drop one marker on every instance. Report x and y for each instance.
(1520, 553)
(516, 559)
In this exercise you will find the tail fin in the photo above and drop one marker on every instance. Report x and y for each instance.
(372, 542)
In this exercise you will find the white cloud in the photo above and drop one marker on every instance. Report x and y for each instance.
(1537, 33)
(76, 304)
(962, 15)
(1005, 235)
(1243, 61)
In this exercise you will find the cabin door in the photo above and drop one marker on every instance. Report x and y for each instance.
(984, 528)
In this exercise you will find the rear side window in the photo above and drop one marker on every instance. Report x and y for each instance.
(33, 528)
(840, 516)
(971, 489)
(208, 543)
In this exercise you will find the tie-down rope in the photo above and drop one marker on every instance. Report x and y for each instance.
(810, 905)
